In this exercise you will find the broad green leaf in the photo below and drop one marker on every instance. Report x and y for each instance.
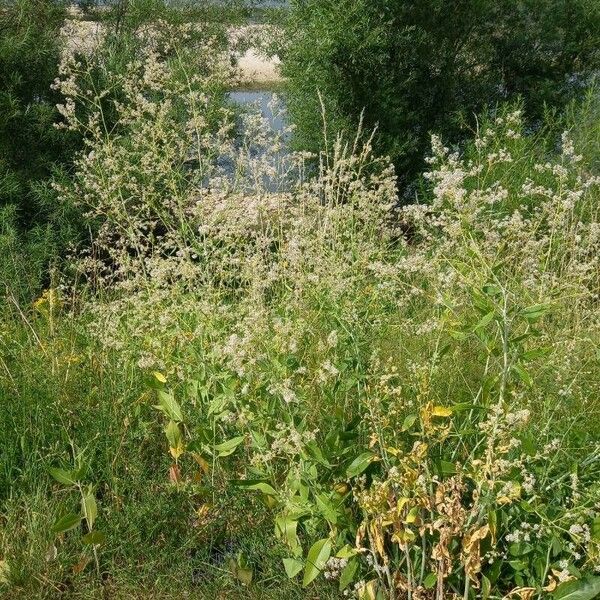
(411, 517)
(244, 575)
(89, 508)
(536, 353)
(447, 468)
(64, 477)
(176, 444)
(486, 587)
(409, 421)
(491, 289)
(317, 454)
(93, 538)
(66, 522)
(240, 570)
(359, 464)
(348, 573)
(173, 434)
(228, 447)
(581, 589)
(523, 375)
(595, 529)
(346, 552)
(484, 321)
(535, 312)
(317, 556)
(430, 581)
(326, 507)
(261, 486)
(286, 528)
(258, 440)
(217, 404)
(168, 405)
(292, 567)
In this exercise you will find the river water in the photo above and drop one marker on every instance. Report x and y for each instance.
(260, 99)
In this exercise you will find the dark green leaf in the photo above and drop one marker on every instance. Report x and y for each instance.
(66, 522)
(348, 573)
(228, 447)
(583, 589)
(64, 477)
(168, 405)
(359, 464)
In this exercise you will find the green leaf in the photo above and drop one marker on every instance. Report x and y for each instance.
(430, 581)
(168, 405)
(346, 552)
(261, 486)
(409, 422)
(66, 522)
(89, 508)
(359, 464)
(486, 587)
(64, 477)
(326, 507)
(228, 447)
(595, 529)
(582, 589)
(286, 528)
(523, 375)
(240, 570)
(491, 289)
(93, 538)
(536, 353)
(348, 573)
(517, 565)
(535, 312)
(173, 434)
(519, 549)
(484, 321)
(447, 468)
(318, 555)
(292, 567)
(244, 575)
(258, 440)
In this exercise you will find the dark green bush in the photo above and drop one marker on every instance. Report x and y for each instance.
(31, 148)
(29, 144)
(417, 66)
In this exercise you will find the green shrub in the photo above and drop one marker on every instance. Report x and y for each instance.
(31, 229)
(29, 56)
(416, 67)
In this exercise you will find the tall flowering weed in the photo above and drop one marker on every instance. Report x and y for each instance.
(411, 391)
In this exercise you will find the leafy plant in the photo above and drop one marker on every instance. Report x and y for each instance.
(73, 479)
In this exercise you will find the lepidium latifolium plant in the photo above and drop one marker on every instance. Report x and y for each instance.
(410, 393)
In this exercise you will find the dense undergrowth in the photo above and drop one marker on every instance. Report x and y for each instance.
(264, 378)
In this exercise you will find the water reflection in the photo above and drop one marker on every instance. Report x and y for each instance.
(263, 100)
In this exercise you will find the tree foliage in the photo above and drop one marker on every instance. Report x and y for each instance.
(29, 56)
(419, 66)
